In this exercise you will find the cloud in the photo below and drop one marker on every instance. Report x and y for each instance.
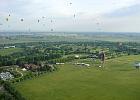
(88, 12)
(126, 11)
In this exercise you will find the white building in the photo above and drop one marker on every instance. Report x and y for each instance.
(7, 47)
(60, 63)
(77, 56)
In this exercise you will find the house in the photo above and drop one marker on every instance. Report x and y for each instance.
(31, 67)
(23, 69)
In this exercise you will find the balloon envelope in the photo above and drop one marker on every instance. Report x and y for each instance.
(7, 19)
(22, 20)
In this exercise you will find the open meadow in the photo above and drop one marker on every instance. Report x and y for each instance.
(119, 80)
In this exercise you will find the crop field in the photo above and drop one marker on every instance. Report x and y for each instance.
(119, 80)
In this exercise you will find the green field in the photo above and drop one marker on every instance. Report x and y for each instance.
(118, 81)
(8, 51)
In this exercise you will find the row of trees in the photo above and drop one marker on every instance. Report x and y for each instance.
(10, 60)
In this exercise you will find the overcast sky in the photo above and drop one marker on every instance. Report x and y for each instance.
(70, 15)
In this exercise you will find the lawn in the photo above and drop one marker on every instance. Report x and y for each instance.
(8, 51)
(118, 81)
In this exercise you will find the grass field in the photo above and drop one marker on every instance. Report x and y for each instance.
(8, 51)
(118, 81)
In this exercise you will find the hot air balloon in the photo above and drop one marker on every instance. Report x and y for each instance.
(52, 30)
(97, 23)
(43, 17)
(38, 20)
(74, 15)
(21, 20)
(7, 19)
(70, 3)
